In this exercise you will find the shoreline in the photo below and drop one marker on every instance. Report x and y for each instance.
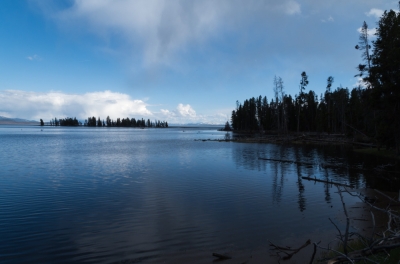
(360, 146)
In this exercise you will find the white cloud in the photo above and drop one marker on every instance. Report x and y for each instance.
(186, 110)
(184, 114)
(167, 112)
(168, 115)
(34, 57)
(32, 105)
(292, 7)
(375, 12)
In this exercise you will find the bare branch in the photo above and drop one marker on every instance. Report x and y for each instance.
(315, 251)
(340, 258)
(346, 234)
(373, 228)
(391, 199)
(284, 250)
(337, 228)
(371, 246)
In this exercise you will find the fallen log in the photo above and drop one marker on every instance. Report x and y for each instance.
(323, 164)
(327, 141)
(370, 145)
(220, 256)
(324, 181)
(299, 137)
(289, 161)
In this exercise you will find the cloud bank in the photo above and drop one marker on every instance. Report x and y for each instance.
(35, 106)
(161, 28)
(32, 105)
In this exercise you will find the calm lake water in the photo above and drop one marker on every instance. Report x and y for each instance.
(116, 195)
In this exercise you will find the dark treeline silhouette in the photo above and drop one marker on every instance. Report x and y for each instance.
(227, 127)
(124, 122)
(68, 121)
(331, 112)
(372, 110)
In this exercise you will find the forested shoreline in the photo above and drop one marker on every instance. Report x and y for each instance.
(338, 111)
(93, 122)
(371, 110)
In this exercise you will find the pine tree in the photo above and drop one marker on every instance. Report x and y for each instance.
(365, 47)
(384, 75)
(303, 84)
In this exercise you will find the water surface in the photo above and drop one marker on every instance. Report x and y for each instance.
(105, 195)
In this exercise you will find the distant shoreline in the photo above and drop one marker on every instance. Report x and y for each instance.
(33, 123)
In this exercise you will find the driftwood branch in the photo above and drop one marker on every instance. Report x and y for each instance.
(285, 250)
(388, 211)
(362, 253)
(389, 198)
(390, 237)
(371, 246)
(314, 251)
(341, 255)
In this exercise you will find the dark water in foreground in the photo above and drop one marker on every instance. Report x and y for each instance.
(98, 195)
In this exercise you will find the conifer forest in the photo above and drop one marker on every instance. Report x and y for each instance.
(372, 109)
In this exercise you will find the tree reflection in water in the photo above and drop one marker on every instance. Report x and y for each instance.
(327, 187)
(285, 164)
(301, 199)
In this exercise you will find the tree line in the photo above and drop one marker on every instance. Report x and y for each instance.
(372, 110)
(63, 122)
(93, 122)
(331, 112)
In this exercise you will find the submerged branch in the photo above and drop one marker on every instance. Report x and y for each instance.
(346, 234)
(324, 181)
(289, 161)
(371, 246)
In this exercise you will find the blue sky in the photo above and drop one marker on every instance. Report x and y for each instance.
(174, 60)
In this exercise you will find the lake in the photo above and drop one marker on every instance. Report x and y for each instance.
(125, 195)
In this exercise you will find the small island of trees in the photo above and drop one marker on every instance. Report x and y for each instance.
(93, 122)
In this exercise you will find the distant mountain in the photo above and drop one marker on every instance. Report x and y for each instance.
(17, 121)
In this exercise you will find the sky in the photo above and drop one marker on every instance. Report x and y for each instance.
(181, 61)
